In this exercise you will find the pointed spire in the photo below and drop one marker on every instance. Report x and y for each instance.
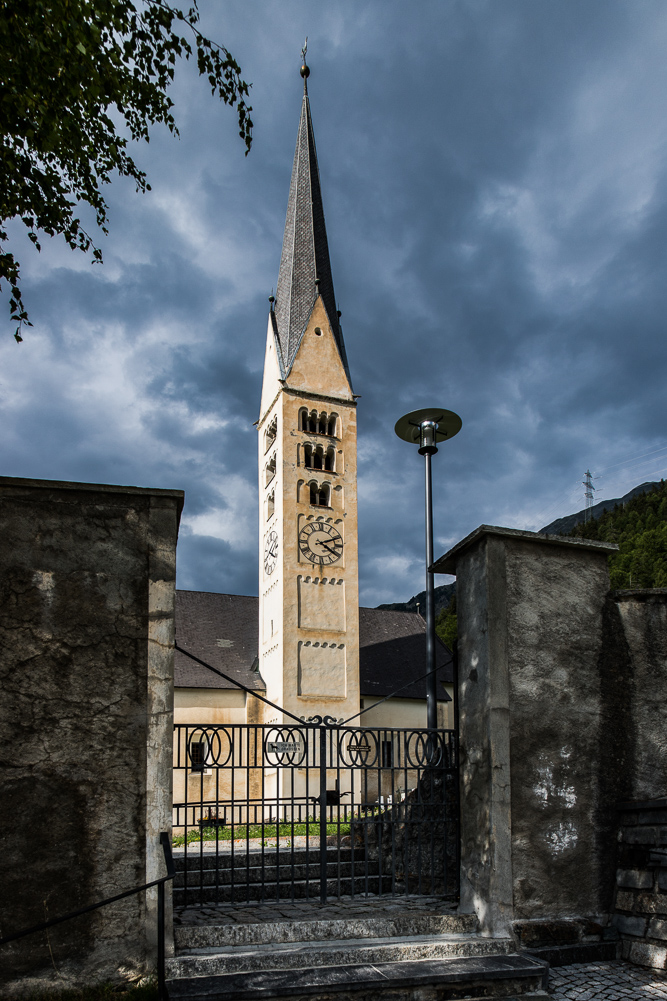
(305, 268)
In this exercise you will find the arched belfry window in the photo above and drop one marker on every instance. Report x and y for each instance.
(270, 434)
(270, 504)
(313, 423)
(270, 470)
(330, 459)
(320, 494)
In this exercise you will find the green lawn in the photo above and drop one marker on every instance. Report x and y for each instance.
(241, 832)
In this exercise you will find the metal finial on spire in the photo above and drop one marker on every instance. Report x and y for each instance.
(305, 72)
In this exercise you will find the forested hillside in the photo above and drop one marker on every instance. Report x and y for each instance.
(639, 528)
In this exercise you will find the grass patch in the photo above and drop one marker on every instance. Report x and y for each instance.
(241, 832)
(146, 991)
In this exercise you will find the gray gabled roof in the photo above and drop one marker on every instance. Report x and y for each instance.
(305, 255)
(222, 629)
(392, 649)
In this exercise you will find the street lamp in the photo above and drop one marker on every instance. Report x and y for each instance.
(428, 427)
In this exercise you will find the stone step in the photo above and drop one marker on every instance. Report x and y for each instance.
(272, 874)
(360, 886)
(215, 961)
(413, 980)
(242, 859)
(404, 924)
(580, 952)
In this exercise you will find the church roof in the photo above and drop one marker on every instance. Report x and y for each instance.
(305, 255)
(222, 629)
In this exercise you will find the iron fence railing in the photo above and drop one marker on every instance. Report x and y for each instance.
(280, 811)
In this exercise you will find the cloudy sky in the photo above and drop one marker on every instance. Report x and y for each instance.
(494, 175)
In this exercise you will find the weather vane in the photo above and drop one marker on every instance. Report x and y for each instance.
(305, 72)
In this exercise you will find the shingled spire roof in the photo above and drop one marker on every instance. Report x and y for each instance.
(305, 255)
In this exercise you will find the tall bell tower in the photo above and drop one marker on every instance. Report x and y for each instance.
(308, 557)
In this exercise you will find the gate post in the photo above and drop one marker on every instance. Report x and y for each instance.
(323, 813)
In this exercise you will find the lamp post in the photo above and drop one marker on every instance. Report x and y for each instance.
(426, 428)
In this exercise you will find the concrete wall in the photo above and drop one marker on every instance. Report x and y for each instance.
(562, 693)
(532, 737)
(87, 578)
(642, 655)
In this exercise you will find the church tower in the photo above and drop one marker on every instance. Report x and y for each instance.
(308, 558)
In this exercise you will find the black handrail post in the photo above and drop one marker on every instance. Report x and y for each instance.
(160, 943)
(323, 813)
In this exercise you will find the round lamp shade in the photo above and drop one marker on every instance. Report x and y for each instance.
(448, 424)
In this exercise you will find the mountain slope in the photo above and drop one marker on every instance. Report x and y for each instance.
(563, 526)
(443, 596)
(639, 527)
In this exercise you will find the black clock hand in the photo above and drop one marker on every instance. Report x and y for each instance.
(328, 547)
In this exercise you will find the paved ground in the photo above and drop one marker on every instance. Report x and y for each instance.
(606, 982)
(305, 910)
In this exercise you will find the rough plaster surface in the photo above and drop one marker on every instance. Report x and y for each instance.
(643, 618)
(86, 632)
(536, 839)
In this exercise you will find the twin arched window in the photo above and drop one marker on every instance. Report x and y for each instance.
(319, 457)
(320, 495)
(313, 422)
(270, 434)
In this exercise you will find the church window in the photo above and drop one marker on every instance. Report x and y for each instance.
(270, 434)
(198, 752)
(313, 423)
(330, 460)
(318, 456)
(387, 754)
(270, 470)
(270, 504)
(319, 495)
(308, 455)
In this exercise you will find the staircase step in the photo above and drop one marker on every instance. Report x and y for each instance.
(403, 924)
(413, 980)
(211, 875)
(242, 859)
(215, 961)
(579, 952)
(241, 892)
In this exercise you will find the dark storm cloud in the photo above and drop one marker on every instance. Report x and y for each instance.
(495, 192)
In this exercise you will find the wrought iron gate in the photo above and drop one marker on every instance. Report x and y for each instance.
(283, 811)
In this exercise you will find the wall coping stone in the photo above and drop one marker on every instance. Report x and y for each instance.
(650, 594)
(447, 563)
(22, 483)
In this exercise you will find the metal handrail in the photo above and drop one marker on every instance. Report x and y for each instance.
(171, 872)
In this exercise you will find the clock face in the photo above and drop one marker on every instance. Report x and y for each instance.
(270, 552)
(320, 543)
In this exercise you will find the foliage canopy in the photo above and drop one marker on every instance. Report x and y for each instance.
(67, 67)
(446, 624)
(639, 528)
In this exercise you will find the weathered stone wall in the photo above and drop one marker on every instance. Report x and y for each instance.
(536, 840)
(641, 883)
(642, 616)
(562, 693)
(87, 578)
